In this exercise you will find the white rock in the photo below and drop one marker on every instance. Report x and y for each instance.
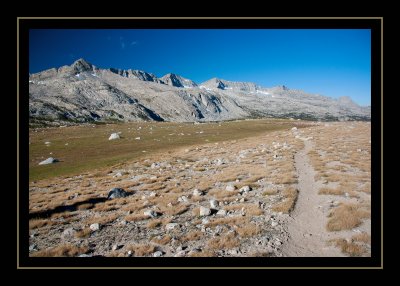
(197, 193)
(221, 212)
(95, 226)
(47, 142)
(181, 253)
(274, 223)
(230, 188)
(204, 211)
(214, 204)
(242, 200)
(137, 138)
(50, 160)
(171, 226)
(68, 233)
(152, 194)
(150, 213)
(114, 136)
(245, 189)
(183, 199)
(294, 128)
(157, 254)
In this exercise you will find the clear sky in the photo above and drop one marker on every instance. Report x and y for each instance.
(328, 62)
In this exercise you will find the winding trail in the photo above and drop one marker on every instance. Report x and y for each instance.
(306, 224)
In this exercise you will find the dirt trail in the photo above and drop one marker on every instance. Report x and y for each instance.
(306, 225)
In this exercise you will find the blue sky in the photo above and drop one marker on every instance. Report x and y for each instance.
(328, 62)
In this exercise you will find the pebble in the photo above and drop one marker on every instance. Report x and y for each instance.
(214, 204)
(94, 226)
(204, 211)
(230, 188)
(221, 212)
(157, 254)
(171, 226)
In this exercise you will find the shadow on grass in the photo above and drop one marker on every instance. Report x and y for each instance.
(68, 208)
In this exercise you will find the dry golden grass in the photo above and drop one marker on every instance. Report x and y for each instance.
(61, 250)
(37, 223)
(196, 211)
(192, 236)
(178, 210)
(136, 217)
(349, 248)
(289, 201)
(102, 220)
(270, 192)
(284, 178)
(225, 241)
(140, 249)
(327, 191)
(362, 237)
(219, 194)
(83, 233)
(163, 241)
(158, 222)
(260, 253)
(248, 230)
(238, 220)
(346, 216)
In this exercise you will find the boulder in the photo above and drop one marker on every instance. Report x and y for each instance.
(117, 193)
(50, 160)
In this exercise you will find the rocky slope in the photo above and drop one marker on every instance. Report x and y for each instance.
(83, 92)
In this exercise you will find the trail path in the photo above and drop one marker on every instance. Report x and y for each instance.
(306, 225)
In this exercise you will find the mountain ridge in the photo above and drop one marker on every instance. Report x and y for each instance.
(82, 92)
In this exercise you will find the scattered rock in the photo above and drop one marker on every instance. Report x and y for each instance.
(242, 200)
(137, 138)
(245, 189)
(230, 188)
(150, 213)
(68, 233)
(274, 224)
(49, 160)
(294, 129)
(204, 211)
(197, 193)
(116, 247)
(84, 255)
(221, 212)
(117, 193)
(171, 226)
(157, 254)
(114, 136)
(95, 226)
(181, 253)
(183, 199)
(32, 247)
(214, 204)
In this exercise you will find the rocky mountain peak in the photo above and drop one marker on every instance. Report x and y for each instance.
(81, 65)
(177, 81)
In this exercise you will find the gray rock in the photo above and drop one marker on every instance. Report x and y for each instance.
(204, 211)
(49, 160)
(114, 136)
(94, 226)
(197, 193)
(274, 224)
(214, 204)
(84, 255)
(181, 253)
(157, 254)
(245, 189)
(221, 212)
(150, 213)
(117, 193)
(32, 247)
(171, 226)
(230, 188)
(68, 233)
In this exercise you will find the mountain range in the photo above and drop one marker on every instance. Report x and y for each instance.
(83, 92)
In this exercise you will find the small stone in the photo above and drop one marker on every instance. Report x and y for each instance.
(205, 221)
(230, 188)
(274, 223)
(32, 247)
(68, 233)
(119, 174)
(214, 204)
(221, 212)
(116, 247)
(171, 226)
(129, 252)
(137, 138)
(94, 226)
(294, 128)
(49, 160)
(157, 254)
(221, 204)
(242, 200)
(123, 222)
(278, 242)
(150, 213)
(183, 199)
(85, 255)
(181, 253)
(197, 193)
(114, 136)
(152, 194)
(245, 189)
(204, 211)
